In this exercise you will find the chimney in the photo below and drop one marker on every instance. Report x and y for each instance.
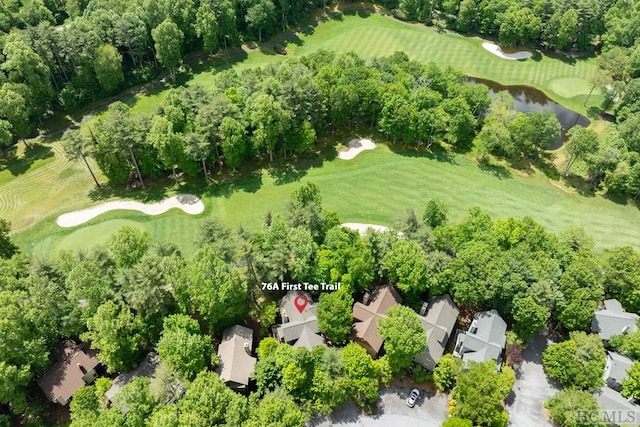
(366, 298)
(247, 349)
(285, 318)
(82, 369)
(423, 309)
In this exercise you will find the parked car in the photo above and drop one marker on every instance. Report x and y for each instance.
(413, 397)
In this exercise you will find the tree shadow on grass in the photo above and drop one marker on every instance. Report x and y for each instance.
(547, 167)
(152, 192)
(498, 171)
(436, 152)
(285, 174)
(619, 199)
(33, 152)
(579, 184)
(249, 183)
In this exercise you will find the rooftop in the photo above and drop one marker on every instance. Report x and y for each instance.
(147, 368)
(616, 370)
(234, 352)
(296, 323)
(438, 323)
(367, 315)
(484, 340)
(613, 320)
(67, 375)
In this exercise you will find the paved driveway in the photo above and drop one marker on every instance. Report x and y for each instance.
(532, 387)
(430, 411)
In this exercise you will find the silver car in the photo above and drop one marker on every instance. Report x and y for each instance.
(413, 397)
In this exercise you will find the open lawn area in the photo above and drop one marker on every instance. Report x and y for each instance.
(566, 80)
(375, 187)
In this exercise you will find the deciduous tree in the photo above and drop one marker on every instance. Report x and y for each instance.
(168, 44)
(578, 362)
(574, 408)
(334, 315)
(480, 394)
(403, 335)
(112, 331)
(107, 65)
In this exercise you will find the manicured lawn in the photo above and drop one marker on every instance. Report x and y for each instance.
(375, 187)
(46, 184)
(564, 80)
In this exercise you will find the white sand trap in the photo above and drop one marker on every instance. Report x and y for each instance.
(356, 146)
(187, 202)
(497, 50)
(362, 228)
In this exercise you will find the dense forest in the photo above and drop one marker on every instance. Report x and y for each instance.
(139, 295)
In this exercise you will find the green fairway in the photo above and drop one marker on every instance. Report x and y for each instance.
(375, 187)
(564, 80)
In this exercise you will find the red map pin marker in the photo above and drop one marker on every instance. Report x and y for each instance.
(300, 302)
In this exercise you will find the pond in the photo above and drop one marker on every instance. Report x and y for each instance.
(527, 98)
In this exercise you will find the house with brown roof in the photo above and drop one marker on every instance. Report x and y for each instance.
(235, 354)
(438, 318)
(74, 368)
(367, 314)
(299, 327)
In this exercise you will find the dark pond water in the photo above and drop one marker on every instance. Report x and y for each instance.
(529, 99)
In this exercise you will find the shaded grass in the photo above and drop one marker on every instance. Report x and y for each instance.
(375, 187)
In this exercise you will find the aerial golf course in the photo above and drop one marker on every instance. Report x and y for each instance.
(375, 187)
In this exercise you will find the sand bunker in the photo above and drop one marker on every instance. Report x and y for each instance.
(187, 202)
(496, 50)
(362, 228)
(356, 146)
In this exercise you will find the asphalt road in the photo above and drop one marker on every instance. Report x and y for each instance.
(430, 411)
(532, 387)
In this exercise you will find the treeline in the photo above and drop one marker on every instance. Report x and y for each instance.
(62, 55)
(133, 295)
(280, 109)
(561, 25)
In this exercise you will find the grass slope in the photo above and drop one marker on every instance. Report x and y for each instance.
(375, 187)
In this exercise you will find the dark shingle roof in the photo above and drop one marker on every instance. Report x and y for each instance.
(613, 320)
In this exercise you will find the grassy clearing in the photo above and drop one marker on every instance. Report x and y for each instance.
(375, 187)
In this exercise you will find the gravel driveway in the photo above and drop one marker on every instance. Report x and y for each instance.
(532, 387)
(430, 411)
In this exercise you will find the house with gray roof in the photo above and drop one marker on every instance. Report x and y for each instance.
(617, 410)
(613, 320)
(615, 370)
(367, 314)
(298, 325)
(484, 340)
(438, 318)
(74, 368)
(147, 369)
(235, 354)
